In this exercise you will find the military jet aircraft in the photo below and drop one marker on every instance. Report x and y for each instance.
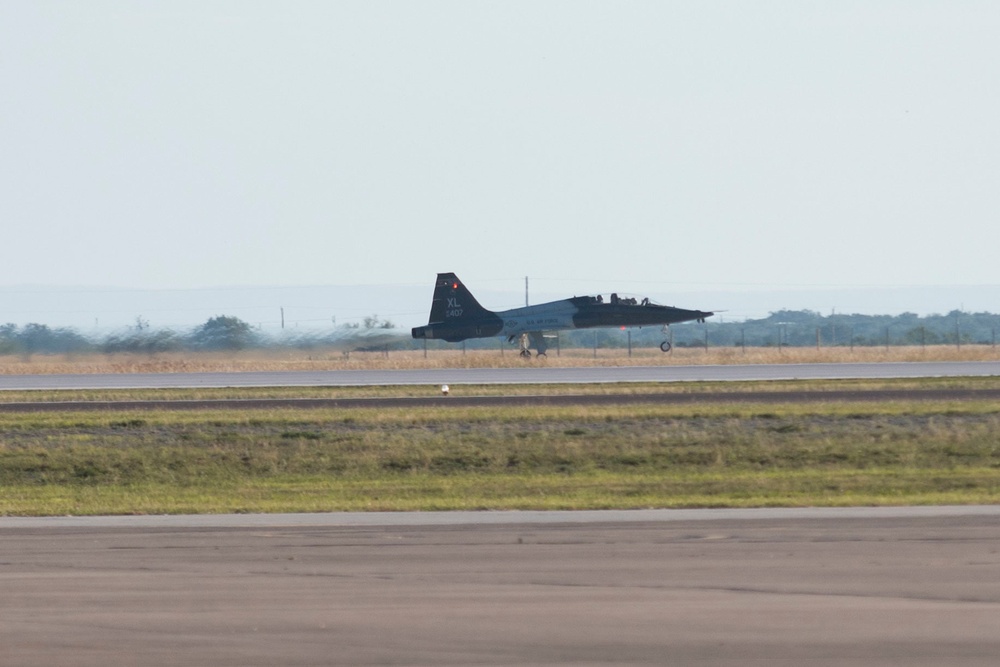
(457, 316)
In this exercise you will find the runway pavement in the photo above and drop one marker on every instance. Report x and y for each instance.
(913, 586)
(857, 586)
(526, 375)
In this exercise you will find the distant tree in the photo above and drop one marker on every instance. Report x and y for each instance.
(921, 336)
(373, 322)
(142, 342)
(40, 338)
(223, 333)
(37, 338)
(8, 339)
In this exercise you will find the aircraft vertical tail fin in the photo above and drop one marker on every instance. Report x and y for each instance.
(453, 301)
(456, 315)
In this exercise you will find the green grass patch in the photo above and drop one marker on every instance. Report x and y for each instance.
(544, 457)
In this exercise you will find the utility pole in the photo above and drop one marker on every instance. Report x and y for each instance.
(526, 291)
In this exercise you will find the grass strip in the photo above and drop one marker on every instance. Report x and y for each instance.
(728, 455)
(520, 492)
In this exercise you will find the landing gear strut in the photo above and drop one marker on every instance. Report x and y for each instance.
(525, 350)
(532, 338)
(537, 339)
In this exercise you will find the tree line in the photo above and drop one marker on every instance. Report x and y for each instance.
(220, 333)
(796, 328)
(806, 328)
(792, 328)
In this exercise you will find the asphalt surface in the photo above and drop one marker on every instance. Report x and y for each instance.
(437, 401)
(855, 586)
(535, 374)
(907, 586)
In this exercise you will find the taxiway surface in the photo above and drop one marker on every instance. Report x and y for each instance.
(526, 375)
(914, 586)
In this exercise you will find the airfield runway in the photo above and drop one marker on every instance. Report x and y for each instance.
(526, 375)
(853, 586)
(913, 586)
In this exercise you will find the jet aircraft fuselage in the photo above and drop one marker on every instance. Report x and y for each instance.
(457, 316)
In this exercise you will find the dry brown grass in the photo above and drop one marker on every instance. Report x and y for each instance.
(263, 360)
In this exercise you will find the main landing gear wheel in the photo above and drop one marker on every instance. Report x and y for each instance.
(665, 346)
(525, 354)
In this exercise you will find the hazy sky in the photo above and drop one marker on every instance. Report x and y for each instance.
(596, 145)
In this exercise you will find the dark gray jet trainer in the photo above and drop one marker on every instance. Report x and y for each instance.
(457, 316)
